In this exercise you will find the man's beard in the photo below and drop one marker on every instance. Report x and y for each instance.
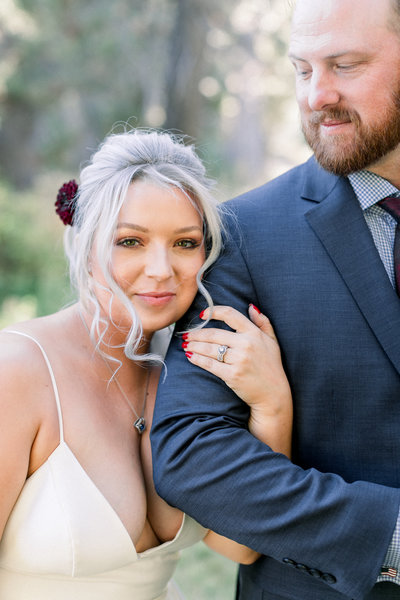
(342, 155)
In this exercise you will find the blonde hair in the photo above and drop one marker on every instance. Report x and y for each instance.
(161, 158)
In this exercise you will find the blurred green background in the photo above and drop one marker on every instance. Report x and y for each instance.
(72, 71)
(205, 575)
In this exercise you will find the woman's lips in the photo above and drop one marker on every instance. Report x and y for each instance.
(156, 298)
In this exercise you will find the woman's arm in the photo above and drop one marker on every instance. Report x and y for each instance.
(252, 368)
(231, 549)
(271, 419)
(19, 422)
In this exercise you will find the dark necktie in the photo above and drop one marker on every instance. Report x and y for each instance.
(392, 206)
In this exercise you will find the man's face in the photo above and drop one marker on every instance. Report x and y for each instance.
(347, 63)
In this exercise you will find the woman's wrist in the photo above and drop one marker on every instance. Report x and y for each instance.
(273, 429)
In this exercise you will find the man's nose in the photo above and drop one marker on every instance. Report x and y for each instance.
(322, 92)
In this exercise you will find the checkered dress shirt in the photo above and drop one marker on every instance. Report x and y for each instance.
(369, 189)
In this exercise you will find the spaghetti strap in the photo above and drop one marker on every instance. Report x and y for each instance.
(53, 380)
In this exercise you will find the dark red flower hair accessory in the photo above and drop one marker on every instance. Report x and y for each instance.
(65, 203)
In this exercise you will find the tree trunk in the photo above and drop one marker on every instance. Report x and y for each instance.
(18, 158)
(186, 62)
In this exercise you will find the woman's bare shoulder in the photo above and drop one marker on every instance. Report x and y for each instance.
(22, 365)
(20, 341)
(23, 379)
(24, 348)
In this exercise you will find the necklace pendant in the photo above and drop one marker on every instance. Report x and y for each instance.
(140, 424)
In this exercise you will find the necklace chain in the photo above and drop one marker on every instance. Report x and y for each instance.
(140, 422)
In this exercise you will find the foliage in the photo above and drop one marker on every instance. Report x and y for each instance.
(216, 71)
(204, 575)
(72, 71)
(32, 267)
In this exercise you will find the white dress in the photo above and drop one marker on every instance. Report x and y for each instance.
(63, 540)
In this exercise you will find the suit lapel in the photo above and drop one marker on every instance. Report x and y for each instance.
(339, 223)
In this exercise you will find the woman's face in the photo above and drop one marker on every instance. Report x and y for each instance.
(157, 252)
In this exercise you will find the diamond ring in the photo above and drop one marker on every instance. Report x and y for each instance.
(221, 353)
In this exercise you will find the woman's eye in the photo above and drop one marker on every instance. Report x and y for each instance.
(129, 242)
(187, 244)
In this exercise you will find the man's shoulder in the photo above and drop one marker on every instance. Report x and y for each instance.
(287, 193)
(291, 182)
(279, 194)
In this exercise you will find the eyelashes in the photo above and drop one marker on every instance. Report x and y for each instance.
(184, 244)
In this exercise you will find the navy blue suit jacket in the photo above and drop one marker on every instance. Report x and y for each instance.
(299, 248)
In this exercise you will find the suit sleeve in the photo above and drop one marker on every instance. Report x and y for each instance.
(208, 464)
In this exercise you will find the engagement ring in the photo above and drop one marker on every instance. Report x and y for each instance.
(221, 353)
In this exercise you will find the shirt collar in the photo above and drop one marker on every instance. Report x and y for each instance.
(370, 188)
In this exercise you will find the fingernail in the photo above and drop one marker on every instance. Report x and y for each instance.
(201, 315)
(188, 354)
(255, 308)
(185, 344)
(185, 336)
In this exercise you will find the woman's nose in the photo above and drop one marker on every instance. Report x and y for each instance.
(158, 264)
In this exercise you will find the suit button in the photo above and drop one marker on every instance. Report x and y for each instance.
(288, 561)
(315, 573)
(328, 578)
(302, 567)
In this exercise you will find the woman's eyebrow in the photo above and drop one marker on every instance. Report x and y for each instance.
(145, 230)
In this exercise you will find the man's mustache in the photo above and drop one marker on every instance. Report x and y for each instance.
(334, 114)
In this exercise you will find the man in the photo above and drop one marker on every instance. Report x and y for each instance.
(314, 251)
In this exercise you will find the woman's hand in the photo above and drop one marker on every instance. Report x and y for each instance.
(251, 366)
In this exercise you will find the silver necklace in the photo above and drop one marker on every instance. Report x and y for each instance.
(140, 422)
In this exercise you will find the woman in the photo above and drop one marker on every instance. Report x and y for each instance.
(79, 515)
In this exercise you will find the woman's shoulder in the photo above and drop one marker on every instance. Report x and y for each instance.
(41, 330)
(21, 349)
(23, 375)
(21, 361)
(20, 338)
(31, 350)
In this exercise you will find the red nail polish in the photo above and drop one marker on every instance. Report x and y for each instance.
(185, 344)
(185, 336)
(255, 308)
(188, 354)
(201, 315)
